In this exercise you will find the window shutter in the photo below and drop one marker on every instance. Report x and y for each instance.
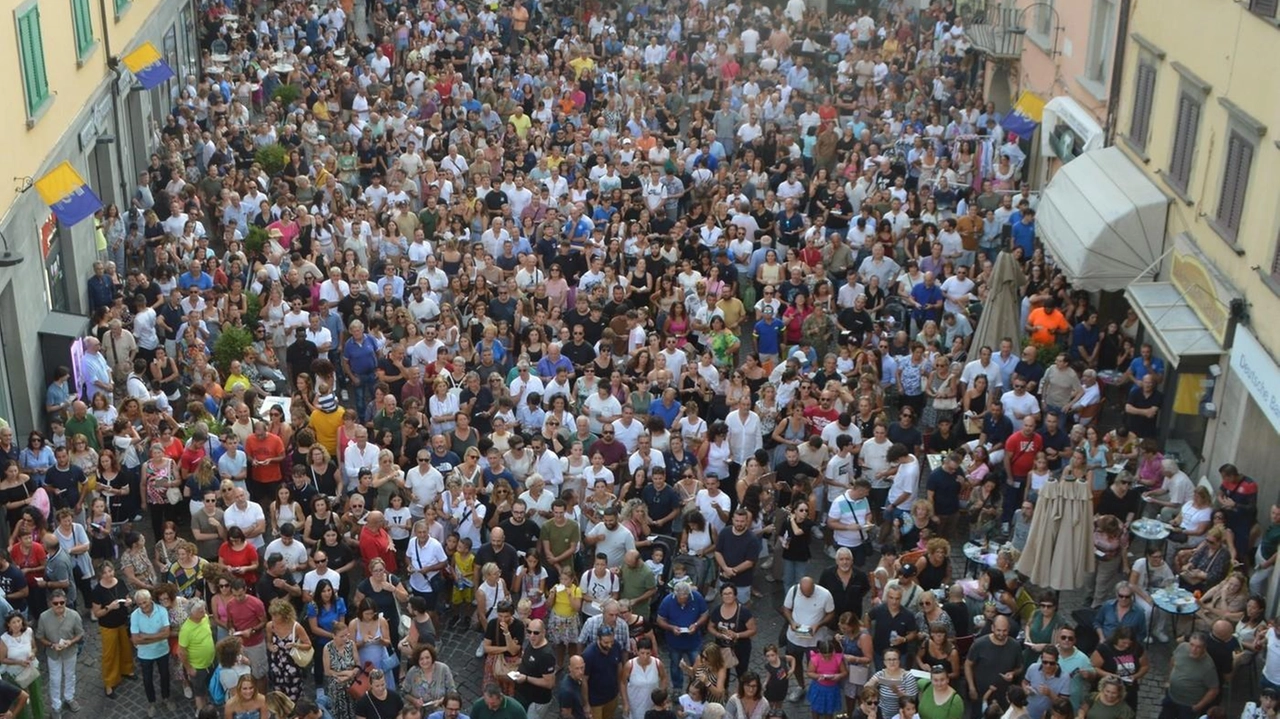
(1184, 141)
(1265, 8)
(82, 21)
(34, 50)
(1144, 95)
(1275, 263)
(29, 74)
(1235, 183)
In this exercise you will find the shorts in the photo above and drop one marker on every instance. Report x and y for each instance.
(200, 682)
(562, 630)
(257, 656)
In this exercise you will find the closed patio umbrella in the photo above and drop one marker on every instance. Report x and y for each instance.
(1059, 551)
(1001, 309)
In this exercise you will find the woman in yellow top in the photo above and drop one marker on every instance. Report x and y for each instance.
(562, 623)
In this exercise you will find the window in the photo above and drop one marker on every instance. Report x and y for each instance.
(35, 80)
(1102, 35)
(1264, 8)
(82, 21)
(1143, 97)
(1043, 19)
(1235, 184)
(1184, 140)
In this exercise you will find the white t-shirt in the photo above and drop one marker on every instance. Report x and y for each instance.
(847, 510)
(629, 436)
(313, 578)
(808, 612)
(875, 457)
(597, 408)
(905, 481)
(419, 557)
(294, 553)
(707, 504)
(245, 518)
(1015, 407)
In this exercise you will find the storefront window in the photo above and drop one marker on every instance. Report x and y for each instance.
(55, 266)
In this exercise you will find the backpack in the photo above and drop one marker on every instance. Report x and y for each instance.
(217, 693)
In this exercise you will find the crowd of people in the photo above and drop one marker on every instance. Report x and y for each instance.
(567, 330)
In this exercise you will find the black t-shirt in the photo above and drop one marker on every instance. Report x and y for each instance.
(494, 634)
(371, 707)
(908, 436)
(937, 443)
(507, 560)
(267, 590)
(524, 536)
(788, 474)
(945, 487)
(1118, 507)
(9, 694)
(884, 623)
(12, 580)
(795, 547)
(537, 663)
(117, 617)
(736, 549)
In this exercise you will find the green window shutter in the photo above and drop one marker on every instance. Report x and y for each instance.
(121, 6)
(31, 48)
(83, 25)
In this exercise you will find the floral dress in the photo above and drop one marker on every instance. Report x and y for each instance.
(341, 658)
(143, 570)
(285, 676)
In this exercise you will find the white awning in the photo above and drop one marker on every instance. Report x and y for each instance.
(1102, 220)
(1171, 324)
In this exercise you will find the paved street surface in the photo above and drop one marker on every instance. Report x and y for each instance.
(457, 649)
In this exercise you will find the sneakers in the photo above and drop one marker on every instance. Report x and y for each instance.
(480, 651)
(816, 532)
(72, 704)
(795, 694)
(1160, 637)
(830, 551)
(151, 710)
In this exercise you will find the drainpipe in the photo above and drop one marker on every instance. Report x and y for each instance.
(113, 65)
(1117, 69)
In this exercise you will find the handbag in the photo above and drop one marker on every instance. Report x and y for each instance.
(502, 665)
(173, 495)
(728, 657)
(29, 674)
(360, 685)
(301, 656)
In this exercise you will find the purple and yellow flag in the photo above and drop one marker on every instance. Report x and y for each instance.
(67, 194)
(148, 66)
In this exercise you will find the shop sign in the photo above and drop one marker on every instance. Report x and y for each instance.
(1257, 371)
(1206, 294)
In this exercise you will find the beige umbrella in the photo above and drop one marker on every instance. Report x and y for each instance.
(1059, 551)
(1001, 309)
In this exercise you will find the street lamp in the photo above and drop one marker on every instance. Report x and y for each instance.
(1013, 23)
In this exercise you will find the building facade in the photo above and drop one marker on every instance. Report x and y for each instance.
(70, 100)
(1193, 116)
(1062, 52)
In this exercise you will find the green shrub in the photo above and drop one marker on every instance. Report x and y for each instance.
(272, 158)
(253, 303)
(1045, 353)
(231, 346)
(256, 241)
(286, 95)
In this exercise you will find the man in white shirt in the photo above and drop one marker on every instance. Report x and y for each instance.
(425, 557)
(984, 366)
(958, 288)
(1019, 404)
(425, 483)
(850, 520)
(808, 605)
(248, 516)
(713, 503)
(360, 456)
(1088, 395)
(906, 481)
(319, 335)
(601, 408)
(628, 429)
(645, 456)
(321, 571)
(293, 551)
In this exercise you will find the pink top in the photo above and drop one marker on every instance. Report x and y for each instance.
(824, 666)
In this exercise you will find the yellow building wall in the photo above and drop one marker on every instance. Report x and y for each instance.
(1234, 52)
(71, 85)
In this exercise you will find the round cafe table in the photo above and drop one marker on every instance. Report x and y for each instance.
(977, 557)
(1174, 601)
